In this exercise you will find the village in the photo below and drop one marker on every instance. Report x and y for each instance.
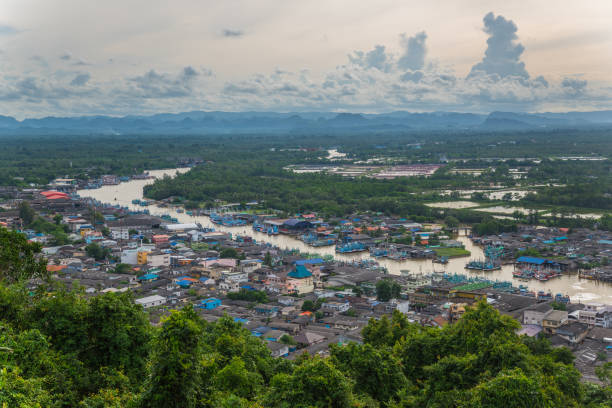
(301, 302)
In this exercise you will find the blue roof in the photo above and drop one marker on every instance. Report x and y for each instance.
(531, 260)
(211, 300)
(148, 276)
(300, 272)
(605, 241)
(184, 283)
(314, 261)
(204, 279)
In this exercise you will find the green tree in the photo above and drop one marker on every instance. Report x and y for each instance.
(26, 213)
(176, 368)
(19, 259)
(97, 252)
(58, 219)
(314, 383)
(387, 289)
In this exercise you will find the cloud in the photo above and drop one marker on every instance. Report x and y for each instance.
(502, 57)
(414, 51)
(574, 86)
(376, 58)
(227, 32)
(162, 85)
(80, 79)
(7, 30)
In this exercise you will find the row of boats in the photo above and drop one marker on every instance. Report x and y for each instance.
(542, 275)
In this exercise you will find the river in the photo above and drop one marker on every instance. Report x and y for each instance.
(580, 290)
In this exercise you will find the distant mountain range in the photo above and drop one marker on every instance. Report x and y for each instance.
(310, 122)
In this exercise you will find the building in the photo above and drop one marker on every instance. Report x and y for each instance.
(235, 276)
(300, 280)
(158, 260)
(160, 239)
(335, 307)
(574, 333)
(278, 349)
(209, 304)
(553, 320)
(536, 313)
(151, 301)
(120, 233)
(267, 310)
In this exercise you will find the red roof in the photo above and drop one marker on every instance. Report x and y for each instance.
(54, 195)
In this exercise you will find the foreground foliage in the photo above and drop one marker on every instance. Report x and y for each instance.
(59, 349)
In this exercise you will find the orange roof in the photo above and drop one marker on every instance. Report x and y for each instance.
(424, 242)
(53, 195)
(55, 268)
(306, 313)
(160, 236)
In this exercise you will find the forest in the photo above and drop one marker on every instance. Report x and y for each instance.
(60, 348)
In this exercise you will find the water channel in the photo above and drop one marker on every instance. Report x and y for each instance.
(579, 290)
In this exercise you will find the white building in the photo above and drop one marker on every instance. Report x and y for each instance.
(158, 260)
(120, 233)
(235, 276)
(151, 301)
(336, 307)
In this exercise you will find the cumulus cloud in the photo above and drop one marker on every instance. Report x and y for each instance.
(80, 79)
(414, 51)
(574, 86)
(376, 58)
(502, 57)
(227, 32)
(163, 85)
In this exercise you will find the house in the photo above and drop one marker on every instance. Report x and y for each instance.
(267, 310)
(536, 313)
(335, 307)
(151, 301)
(149, 277)
(274, 335)
(574, 333)
(604, 317)
(286, 300)
(157, 260)
(278, 349)
(553, 320)
(235, 276)
(160, 239)
(300, 280)
(209, 304)
(307, 338)
(120, 233)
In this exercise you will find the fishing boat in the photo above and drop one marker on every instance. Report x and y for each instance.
(351, 247)
(441, 260)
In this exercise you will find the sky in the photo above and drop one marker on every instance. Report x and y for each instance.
(122, 57)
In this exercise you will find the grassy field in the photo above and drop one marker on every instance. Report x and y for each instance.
(451, 252)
